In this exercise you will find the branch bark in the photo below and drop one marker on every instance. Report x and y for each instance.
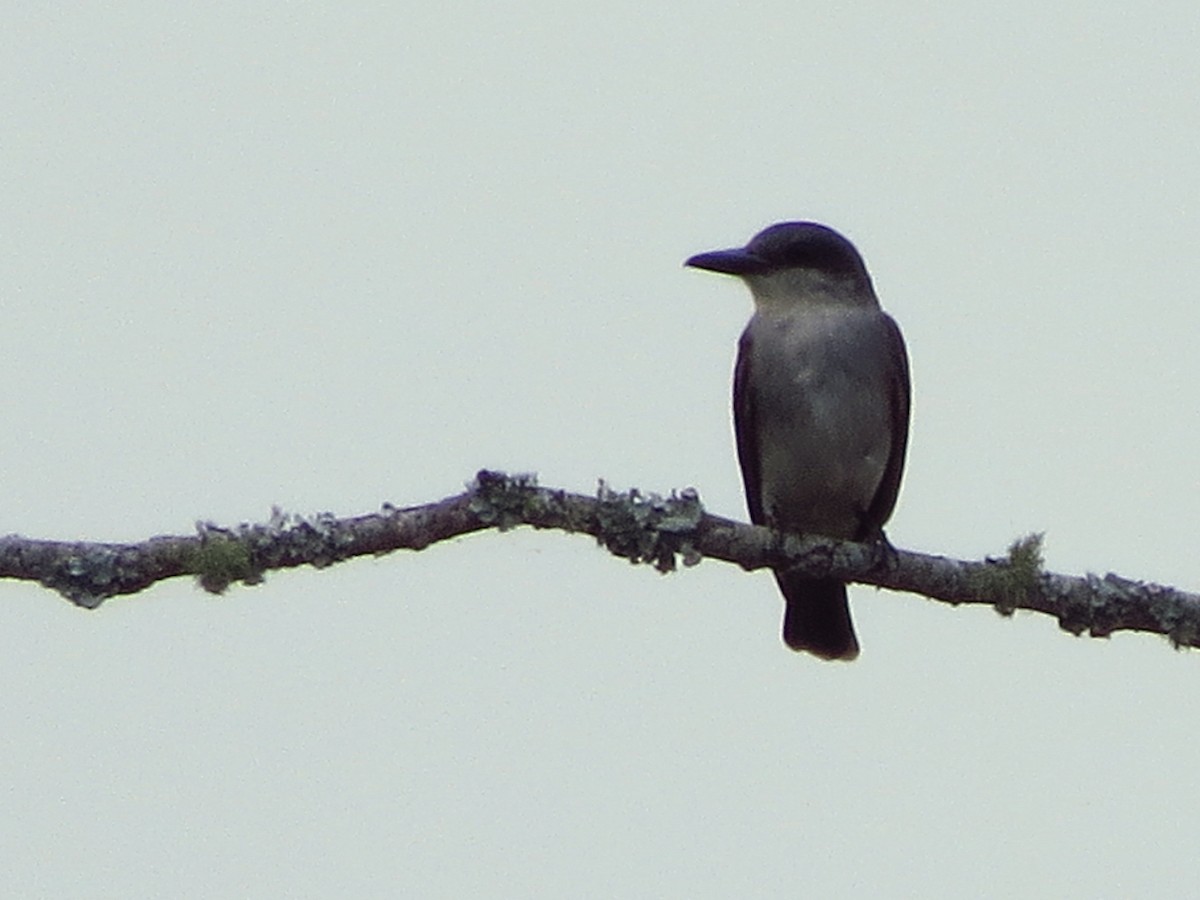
(641, 528)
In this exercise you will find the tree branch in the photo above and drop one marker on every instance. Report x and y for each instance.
(649, 529)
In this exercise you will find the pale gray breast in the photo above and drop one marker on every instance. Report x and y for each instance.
(821, 391)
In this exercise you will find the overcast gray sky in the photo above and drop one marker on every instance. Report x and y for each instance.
(327, 256)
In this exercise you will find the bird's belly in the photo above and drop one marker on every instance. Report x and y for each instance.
(823, 448)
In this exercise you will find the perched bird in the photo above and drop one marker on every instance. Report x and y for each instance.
(820, 408)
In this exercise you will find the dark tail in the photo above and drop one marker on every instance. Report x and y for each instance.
(817, 618)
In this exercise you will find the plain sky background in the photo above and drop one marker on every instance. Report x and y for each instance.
(327, 256)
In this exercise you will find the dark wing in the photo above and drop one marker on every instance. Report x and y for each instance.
(899, 391)
(745, 427)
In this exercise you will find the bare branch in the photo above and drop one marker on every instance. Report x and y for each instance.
(640, 528)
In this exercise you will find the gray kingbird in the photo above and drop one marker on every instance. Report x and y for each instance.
(820, 408)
